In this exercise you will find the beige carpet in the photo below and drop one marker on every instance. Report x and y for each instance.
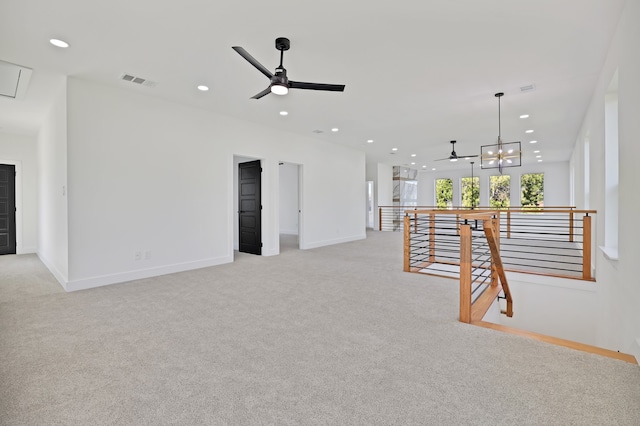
(336, 335)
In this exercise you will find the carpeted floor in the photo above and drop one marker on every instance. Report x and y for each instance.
(336, 335)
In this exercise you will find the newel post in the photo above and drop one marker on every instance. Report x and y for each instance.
(465, 274)
(432, 237)
(407, 243)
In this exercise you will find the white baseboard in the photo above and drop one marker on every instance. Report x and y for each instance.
(51, 267)
(636, 349)
(87, 283)
(316, 244)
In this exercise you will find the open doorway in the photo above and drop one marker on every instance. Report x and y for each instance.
(290, 210)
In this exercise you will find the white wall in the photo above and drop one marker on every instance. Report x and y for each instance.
(21, 151)
(618, 282)
(289, 198)
(53, 244)
(556, 183)
(551, 306)
(153, 176)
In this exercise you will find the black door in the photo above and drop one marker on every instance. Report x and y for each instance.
(7, 209)
(249, 206)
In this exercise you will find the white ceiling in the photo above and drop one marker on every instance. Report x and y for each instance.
(418, 73)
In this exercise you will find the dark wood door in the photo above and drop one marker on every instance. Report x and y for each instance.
(249, 207)
(7, 209)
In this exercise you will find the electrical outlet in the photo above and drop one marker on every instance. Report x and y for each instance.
(146, 255)
(137, 255)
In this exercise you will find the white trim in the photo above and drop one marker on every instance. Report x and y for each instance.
(317, 244)
(103, 280)
(636, 349)
(51, 267)
(610, 253)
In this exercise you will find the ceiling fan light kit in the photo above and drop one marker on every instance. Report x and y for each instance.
(279, 82)
(500, 155)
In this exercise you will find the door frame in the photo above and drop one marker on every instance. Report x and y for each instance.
(18, 192)
(300, 172)
(255, 168)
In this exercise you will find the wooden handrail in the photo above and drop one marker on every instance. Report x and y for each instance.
(475, 311)
(407, 245)
(477, 207)
(493, 238)
(521, 227)
(498, 211)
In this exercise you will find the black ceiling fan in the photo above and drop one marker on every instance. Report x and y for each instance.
(454, 156)
(280, 84)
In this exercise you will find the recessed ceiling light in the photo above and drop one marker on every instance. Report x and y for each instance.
(59, 43)
(533, 141)
(524, 116)
(284, 113)
(413, 163)
(424, 167)
(538, 156)
(203, 88)
(370, 141)
(528, 131)
(335, 129)
(413, 155)
(536, 151)
(433, 169)
(539, 161)
(394, 149)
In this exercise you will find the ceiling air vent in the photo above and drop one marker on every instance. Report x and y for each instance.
(138, 80)
(528, 88)
(14, 80)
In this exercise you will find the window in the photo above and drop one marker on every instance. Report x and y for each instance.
(470, 188)
(532, 190)
(500, 191)
(444, 193)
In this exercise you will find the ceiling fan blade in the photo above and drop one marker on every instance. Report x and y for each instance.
(253, 61)
(467, 156)
(316, 86)
(265, 92)
(442, 159)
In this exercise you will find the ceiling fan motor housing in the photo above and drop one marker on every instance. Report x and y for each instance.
(280, 77)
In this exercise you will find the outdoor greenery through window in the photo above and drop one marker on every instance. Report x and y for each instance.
(500, 191)
(470, 192)
(444, 193)
(532, 190)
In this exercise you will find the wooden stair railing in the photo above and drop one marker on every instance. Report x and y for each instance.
(474, 310)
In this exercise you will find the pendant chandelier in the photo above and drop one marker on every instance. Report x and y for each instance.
(500, 155)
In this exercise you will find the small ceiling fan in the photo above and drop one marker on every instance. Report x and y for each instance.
(454, 157)
(280, 84)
